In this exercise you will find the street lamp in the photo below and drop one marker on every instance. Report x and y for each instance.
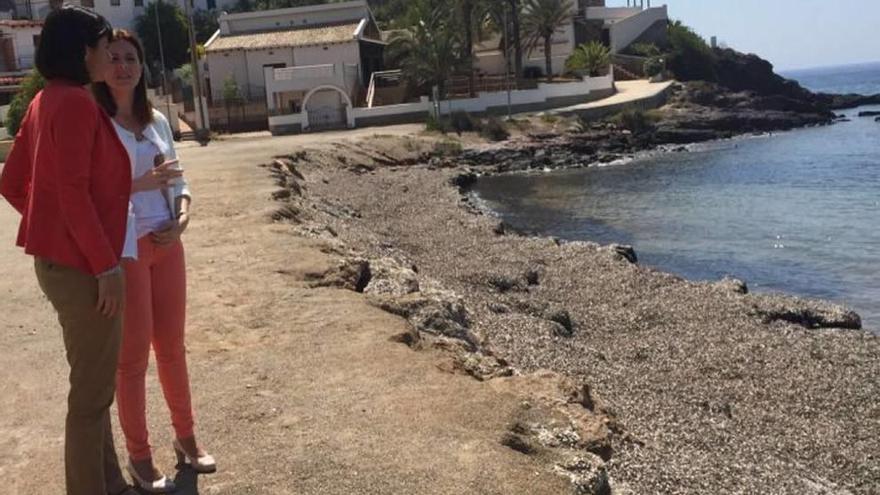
(162, 59)
(202, 135)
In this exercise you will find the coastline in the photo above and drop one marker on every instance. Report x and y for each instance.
(700, 375)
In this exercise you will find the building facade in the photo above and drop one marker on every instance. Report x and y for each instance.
(120, 13)
(589, 20)
(317, 59)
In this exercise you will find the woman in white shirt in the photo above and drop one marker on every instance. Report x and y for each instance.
(155, 304)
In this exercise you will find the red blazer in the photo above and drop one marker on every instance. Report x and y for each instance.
(69, 176)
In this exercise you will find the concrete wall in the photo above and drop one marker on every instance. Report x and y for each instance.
(247, 67)
(282, 83)
(23, 44)
(347, 53)
(546, 96)
(611, 13)
(492, 62)
(256, 62)
(286, 18)
(223, 65)
(626, 31)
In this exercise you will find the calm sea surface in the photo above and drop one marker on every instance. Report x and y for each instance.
(796, 212)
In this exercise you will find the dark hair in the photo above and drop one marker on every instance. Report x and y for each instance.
(61, 53)
(142, 109)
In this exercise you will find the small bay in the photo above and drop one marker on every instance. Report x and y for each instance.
(795, 212)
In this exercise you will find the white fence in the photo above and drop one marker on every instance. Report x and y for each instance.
(521, 100)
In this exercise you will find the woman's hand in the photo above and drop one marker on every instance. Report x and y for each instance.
(158, 177)
(171, 232)
(111, 293)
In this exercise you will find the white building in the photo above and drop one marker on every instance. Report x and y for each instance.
(18, 44)
(318, 58)
(120, 13)
(616, 27)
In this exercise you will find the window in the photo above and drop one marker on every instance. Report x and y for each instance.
(212, 4)
(138, 3)
(113, 3)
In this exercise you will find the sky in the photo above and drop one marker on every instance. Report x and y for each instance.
(792, 34)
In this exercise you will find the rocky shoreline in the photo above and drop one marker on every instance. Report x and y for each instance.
(710, 389)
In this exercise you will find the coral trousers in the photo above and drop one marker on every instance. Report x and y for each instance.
(155, 313)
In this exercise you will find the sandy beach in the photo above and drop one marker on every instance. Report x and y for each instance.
(715, 390)
(297, 389)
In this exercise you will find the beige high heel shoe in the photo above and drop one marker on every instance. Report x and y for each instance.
(202, 464)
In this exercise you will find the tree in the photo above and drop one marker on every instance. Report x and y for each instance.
(466, 9)
(541, 18)
(429, 52)
(592, 57)
(31, 85)
(231, 91)
(516, 36)
(175, 36)
(690, 58)
(205, 24)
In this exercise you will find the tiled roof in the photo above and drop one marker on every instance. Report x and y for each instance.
(316, 35)
(20, 23)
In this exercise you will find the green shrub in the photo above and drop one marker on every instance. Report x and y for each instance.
(461, 121)
(644, 50)
(592, 58)
(494, 130)
(654, 65)
(447, 147)
(690, 58)
(434, 124)
(31, 85)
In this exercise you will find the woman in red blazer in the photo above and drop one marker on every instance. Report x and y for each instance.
(69, 177)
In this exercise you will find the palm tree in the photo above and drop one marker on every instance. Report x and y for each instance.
(430, 51)
(467, 53)
(514, 12)
(542, 18)
(493, 14)
(592, 57)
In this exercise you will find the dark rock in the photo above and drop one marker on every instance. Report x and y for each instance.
(733, 285)
(532, 277)
(350, 274)
(500, 228)
(288, 212)
(807, 313)
(464, 181)
(502, 283)
(563, 319)
(622, 252)
(518, 443)
(869, 113)
(498, 308)
(877, 119)
(281, 194)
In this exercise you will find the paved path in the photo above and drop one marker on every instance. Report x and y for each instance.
(628, 93)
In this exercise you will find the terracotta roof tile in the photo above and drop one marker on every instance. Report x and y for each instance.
(316, 35)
